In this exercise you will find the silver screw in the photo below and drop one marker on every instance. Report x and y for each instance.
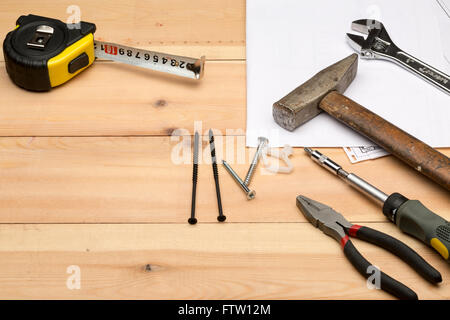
(250, 193)
(262, 142)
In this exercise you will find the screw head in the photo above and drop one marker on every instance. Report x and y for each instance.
(221, 218)
(192, 220)
(251, 195)
(263, 140)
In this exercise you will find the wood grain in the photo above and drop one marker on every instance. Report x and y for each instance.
(115, 99)
(89, 178)
(202, 27)
(239, 261)
(146, 179)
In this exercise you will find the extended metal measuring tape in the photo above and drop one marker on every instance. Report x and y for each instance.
(42, 53)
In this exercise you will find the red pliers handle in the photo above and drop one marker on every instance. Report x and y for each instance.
(394, 246)
(335, 225)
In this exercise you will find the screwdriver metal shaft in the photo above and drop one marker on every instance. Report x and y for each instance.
(410, 216)
(352, 179)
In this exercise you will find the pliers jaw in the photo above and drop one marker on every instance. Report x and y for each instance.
(323, 217)
(335, 225)
(377, 45)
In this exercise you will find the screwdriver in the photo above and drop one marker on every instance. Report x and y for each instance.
(410, 216)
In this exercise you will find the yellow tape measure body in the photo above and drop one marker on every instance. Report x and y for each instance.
(41, 53)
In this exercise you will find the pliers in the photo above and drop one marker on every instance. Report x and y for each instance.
(378, 45)
(335, 225)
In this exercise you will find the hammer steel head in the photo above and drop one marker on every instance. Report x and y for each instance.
(302, 104)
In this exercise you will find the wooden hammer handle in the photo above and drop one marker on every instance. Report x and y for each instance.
(404, 146)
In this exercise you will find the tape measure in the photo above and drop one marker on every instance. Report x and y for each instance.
(42, 53)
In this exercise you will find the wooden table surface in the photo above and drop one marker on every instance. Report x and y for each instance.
(89, 178)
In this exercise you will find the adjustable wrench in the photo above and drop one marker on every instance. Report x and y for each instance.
(378, 45)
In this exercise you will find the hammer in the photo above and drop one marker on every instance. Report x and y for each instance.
(323, 93)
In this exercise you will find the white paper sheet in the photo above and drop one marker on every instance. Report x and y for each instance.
(288, 41)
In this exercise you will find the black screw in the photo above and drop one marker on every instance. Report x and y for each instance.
(192, 219)
(221, 217)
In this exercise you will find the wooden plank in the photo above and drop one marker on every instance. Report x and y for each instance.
(209, 261)
(75, 200)
(115, 99)
(144, 179)
(202, 27)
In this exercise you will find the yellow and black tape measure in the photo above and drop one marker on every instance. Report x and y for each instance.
(42, 53)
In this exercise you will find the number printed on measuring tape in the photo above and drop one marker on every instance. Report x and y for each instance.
(148, 59)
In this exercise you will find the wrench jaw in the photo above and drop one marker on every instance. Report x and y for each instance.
(361, 45)
(356, 42)
(377, 45)
(366, 25)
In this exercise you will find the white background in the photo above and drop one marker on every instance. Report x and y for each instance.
(288, 41)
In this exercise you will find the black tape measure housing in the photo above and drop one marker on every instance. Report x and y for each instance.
(28, 66)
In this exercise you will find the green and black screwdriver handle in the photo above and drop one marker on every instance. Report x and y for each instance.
(413, 218)
(410, 216)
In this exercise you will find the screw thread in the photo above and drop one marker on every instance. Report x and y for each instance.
(195, 159)
(195, 173)
(215, 171)
(216, 175)
(254, 164)
(192, 220)
(212, 146)
(249, 174)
